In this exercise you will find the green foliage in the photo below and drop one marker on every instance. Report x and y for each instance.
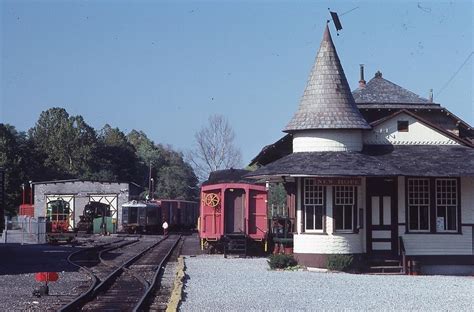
(61, 146)
(277, 195)
(339, 262)
(67, 142)
(174, 178)
(280, 261)
(116, 157)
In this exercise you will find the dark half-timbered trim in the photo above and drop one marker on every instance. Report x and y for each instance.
(381, 187)
(432, 206)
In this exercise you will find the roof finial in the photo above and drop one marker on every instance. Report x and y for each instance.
(378, 74)
(431, 96)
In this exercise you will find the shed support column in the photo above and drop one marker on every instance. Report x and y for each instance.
(299, 208)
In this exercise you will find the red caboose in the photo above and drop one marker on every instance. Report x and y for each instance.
(233, 212)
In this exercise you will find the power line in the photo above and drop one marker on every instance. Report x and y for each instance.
(349, 11)
(454, 75)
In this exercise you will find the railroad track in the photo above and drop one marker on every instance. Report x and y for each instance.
(123, 282)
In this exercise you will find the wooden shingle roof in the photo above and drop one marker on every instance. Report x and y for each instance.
(327, 102)
(376, 160)
(381, 91)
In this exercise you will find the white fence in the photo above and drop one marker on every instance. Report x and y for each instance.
(24, 230)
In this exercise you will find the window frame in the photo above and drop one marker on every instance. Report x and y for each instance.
(321, 204)
(455, 206)
(430, 201)
(354, 205)
(432, 209)
(401, 126)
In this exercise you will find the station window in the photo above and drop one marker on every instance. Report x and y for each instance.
(446, 205)
(313, 206)
(402, 126)
(344, 204)
(419, 205)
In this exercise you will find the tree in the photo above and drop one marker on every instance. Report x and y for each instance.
(67, 142)
(20, 162)
(173, 177)
(116, 158)
(214, 148)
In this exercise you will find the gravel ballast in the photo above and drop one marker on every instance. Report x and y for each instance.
(217, 284)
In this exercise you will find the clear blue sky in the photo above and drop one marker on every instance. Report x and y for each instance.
(164, 66)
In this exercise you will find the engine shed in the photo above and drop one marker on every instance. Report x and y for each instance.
(63, 201)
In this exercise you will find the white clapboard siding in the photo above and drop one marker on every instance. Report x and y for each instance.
(327, 140)
(328, 244)
(439, 244)
(418, 133)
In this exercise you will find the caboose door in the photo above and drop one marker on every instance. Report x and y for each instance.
(234, 213)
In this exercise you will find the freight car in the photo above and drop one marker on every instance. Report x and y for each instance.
(233, 213)
(141, 217)
(148, 217)
(180, 214)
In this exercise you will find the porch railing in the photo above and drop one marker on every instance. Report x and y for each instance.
(402, 254)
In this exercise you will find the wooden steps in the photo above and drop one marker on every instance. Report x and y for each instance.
(385, 266)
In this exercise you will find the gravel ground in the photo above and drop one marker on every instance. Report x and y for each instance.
(16, 291)
(217, 284)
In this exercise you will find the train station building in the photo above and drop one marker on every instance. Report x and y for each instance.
(376, 173)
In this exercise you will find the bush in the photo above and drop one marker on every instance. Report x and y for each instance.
(339, 262)
(281, 261)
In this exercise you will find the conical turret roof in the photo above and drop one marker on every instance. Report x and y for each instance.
(327, 102)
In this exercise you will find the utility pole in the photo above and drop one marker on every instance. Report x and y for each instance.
(149, 183)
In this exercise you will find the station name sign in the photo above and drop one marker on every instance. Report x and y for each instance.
(337, 181)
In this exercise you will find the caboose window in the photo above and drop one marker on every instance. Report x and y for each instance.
(313, 206)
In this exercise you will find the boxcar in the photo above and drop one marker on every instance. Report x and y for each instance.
(233, 212)
(180, 214)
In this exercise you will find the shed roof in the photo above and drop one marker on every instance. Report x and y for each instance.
(376, 160)
(327, 102)
(382, 91)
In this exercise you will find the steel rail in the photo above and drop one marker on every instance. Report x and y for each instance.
(75, 304)
(155, 281)
(111, 277)
(94, 279)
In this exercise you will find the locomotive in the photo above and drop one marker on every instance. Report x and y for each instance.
(148, 217)
(92, 211)
(233, 213)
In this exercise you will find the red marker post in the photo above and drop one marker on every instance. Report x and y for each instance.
(45, 277)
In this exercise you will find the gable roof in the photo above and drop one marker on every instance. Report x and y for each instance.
(381, 91)
(272, 152)
(426, 123)
(327, 102)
